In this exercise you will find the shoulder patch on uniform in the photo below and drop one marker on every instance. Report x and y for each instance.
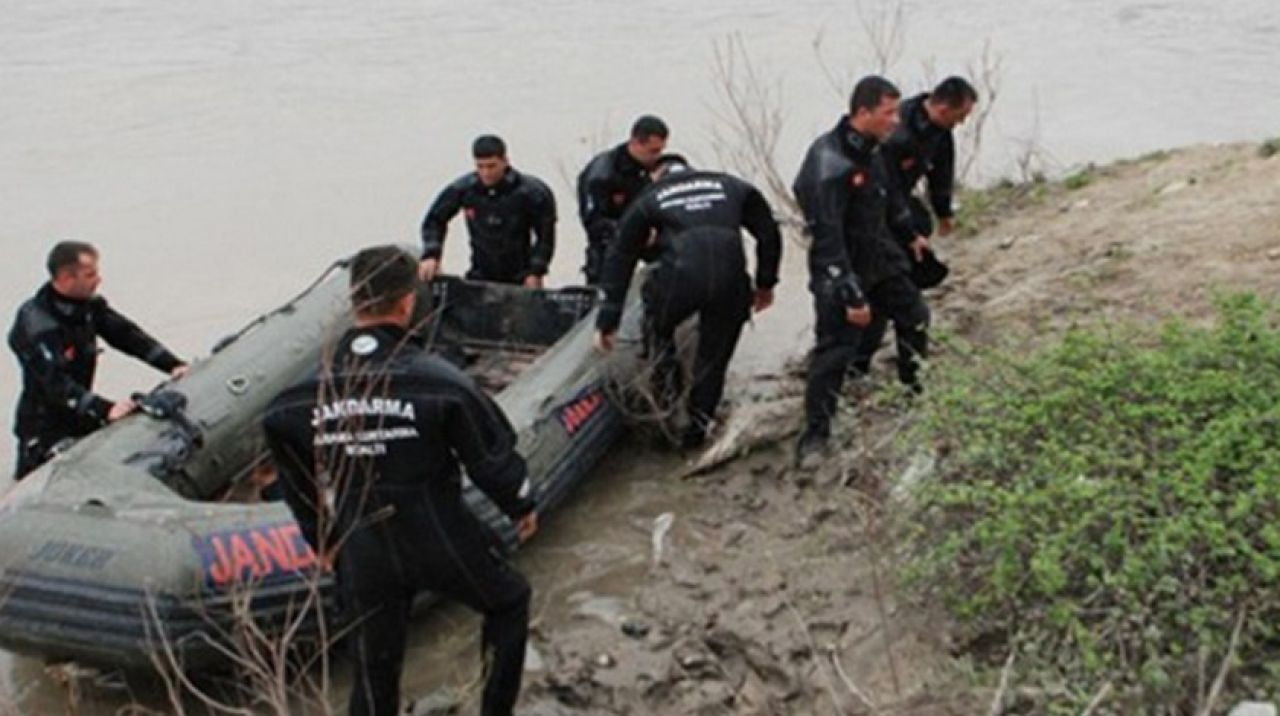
(364, 345)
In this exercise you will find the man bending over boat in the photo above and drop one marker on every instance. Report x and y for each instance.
(697, 217)
(55, 337)
(504, 209)
(368, 452)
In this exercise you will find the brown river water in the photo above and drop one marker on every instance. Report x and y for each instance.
(221, 154)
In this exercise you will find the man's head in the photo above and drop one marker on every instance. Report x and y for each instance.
(670, 164)
(950, 103)
(648, 140)
(383, 279)
(873, 107)
(490, 153)
(73, 269)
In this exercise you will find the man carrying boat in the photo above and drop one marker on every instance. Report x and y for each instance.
(504, 208)
(368, 452)
(611, 181)
(692, 220)
(55, 337)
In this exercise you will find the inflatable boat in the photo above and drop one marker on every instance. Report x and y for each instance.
(143, 541)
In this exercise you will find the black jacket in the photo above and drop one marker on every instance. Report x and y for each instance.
(501, 219)
(921, 149)
(606, 187)
(845, 192)
(698, 216)
(56, 342)
(377, 438)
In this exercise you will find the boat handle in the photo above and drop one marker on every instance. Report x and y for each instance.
(238, 385)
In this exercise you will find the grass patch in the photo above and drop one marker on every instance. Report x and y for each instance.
(1080, 179)
(979, 209)
(1155, 157)
(1269, 148)
(1109, 508)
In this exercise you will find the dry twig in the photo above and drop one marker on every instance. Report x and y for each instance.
(1221, 680)
(997, 701)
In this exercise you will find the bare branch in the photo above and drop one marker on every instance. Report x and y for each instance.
(749, 123)
(885, 30)
(985, 73)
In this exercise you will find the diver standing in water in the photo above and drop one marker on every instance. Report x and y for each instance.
(504, 208)
(368, 452)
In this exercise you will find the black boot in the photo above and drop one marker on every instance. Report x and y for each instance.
(811, 449)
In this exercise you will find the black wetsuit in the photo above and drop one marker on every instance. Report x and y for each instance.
(606, 187)
(698, 217)
(56, 341)
(501, 219)
(856, 258)
(919, 149)
(389, 426)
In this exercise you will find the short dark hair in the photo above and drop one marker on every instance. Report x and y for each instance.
(954, 91)
(488, 145)
(649, 125)
(66, 254)
(671, 163)
(380, 276)
(870, 92)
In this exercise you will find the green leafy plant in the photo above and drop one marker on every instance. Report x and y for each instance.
(1080, 179)
(1108, 509)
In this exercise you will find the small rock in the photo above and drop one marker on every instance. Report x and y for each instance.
(683, 576)
(694, 662)
(533, 662)
(733, 535)
(605, 661)
(661, 641)
(661, 526)
(1082, 204)
(635, 629)
(1008, 242)
(1273, 254)
(772, 606)
(1173, 188)
(1253, 708)
(822, 514)
(437, 703)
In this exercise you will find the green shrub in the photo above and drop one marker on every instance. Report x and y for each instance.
(1080, 179)
(1110, 506)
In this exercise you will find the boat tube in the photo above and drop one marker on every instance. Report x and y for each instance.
(124, 549)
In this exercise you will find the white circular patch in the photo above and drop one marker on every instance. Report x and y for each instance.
(364, 345)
